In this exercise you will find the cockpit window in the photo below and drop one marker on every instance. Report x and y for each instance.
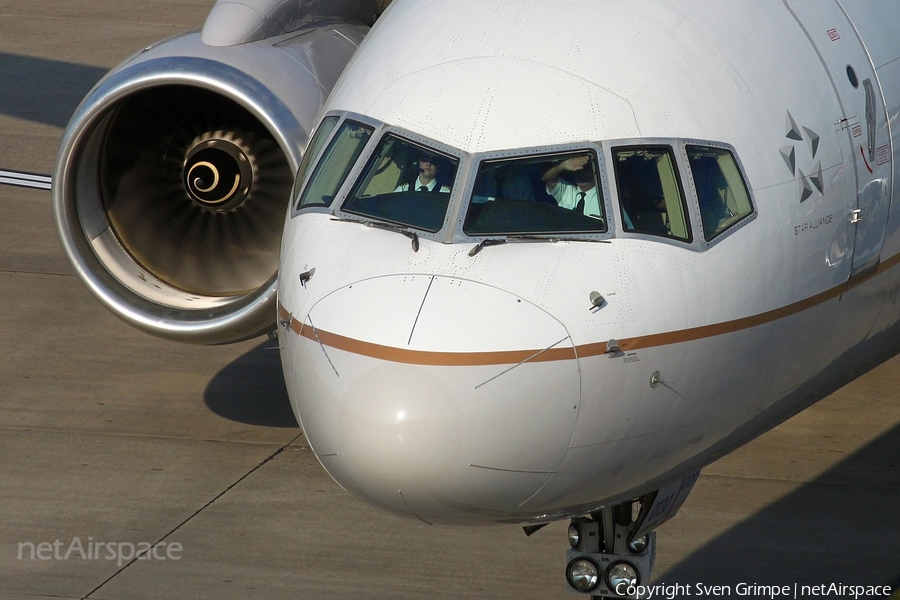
(336, 162)
(650, 193)
(315, 145)
(404, 183)
(544, 194)
(721, 191)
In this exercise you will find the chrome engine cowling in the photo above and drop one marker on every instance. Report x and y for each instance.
(173, 178)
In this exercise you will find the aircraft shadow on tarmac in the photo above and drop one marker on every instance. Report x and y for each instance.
(840, 528)
(42, 90)
(251, 390)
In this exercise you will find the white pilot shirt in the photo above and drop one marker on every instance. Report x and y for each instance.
(430, 186)
(566, 196)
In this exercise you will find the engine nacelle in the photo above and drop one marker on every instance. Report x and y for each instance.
(173, 178)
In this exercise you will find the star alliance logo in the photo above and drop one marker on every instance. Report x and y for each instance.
(809, 182)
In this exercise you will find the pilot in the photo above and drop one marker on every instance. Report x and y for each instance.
(427, 179)
(581, 197)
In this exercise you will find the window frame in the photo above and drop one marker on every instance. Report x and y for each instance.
(362, 162)
(344, 116)
(737, 225)
(461, 192)
(460, 236)
(309, 161)
(688, 190)
(320, 176)
(679, 169)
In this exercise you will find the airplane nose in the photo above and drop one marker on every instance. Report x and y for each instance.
(432, 396)
(399, 427)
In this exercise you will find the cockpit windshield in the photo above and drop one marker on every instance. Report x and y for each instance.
(404, 183)
(661, 188)
(545, 194)
(335, 164)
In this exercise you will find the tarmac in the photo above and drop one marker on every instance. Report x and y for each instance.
(109, 436)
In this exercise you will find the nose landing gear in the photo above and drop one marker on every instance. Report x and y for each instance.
(605, 559)
(612, 550)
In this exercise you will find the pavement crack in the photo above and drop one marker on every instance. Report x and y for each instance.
(23, 272)
(191, 517)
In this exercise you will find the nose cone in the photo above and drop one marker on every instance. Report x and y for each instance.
(439, 398)
(399, 427)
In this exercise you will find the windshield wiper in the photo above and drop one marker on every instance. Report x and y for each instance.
(485, 243)
(554, 238)
(386, 226)
(529, 238)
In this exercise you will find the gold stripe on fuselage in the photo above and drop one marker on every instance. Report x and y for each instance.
(423, 357)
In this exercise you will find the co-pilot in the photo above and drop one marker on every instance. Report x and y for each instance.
(427, 178)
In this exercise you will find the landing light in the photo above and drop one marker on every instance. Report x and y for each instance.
(583, 575)
(621, 575)
(639, 545)
(574, 535)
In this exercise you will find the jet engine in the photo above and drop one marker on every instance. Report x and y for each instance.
(174, 175)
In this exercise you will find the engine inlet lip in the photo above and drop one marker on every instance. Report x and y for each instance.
(206, 320)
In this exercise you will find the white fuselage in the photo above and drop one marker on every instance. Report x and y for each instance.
(473, 389)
